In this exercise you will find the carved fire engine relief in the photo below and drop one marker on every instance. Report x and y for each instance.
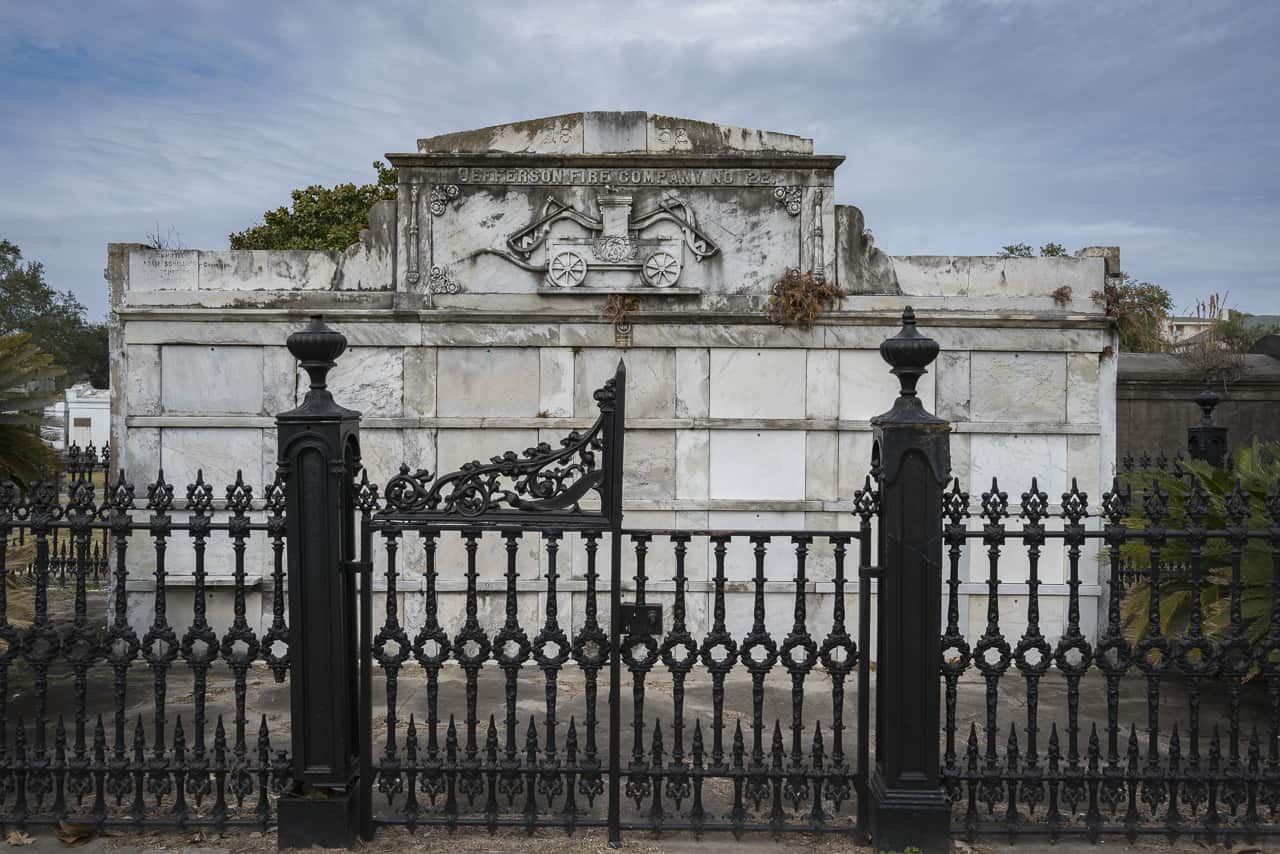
(650, 246)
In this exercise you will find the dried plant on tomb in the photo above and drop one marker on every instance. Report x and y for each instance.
(617, 307)
(798, 298)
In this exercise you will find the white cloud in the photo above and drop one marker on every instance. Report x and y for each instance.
(966, 125)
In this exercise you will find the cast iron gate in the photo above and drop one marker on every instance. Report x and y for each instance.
(774, 769)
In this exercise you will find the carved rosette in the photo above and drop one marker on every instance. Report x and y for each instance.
(614, 249)
(441, 196)
(439, 281)
(789, 198)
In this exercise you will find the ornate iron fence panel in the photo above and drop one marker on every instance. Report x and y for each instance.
(1186, 738)
(92, 701)
(506, 727)
(92, 464)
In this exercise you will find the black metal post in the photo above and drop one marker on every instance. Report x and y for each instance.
(365, 719)
(1206, 440)
(615, 413)
(318, 453)
(909, 807)
(866, 573)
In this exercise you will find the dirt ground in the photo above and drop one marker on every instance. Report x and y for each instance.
(400, 841)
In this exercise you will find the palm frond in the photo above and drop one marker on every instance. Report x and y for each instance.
(1257, 470)
(29, 382)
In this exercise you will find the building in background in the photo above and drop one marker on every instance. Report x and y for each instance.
(82, 418)
(1182, 331)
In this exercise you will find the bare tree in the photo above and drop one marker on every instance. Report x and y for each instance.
(1208, 353)
(168, 239)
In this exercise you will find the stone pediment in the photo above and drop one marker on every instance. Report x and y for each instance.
(630, 132)
(608, 202)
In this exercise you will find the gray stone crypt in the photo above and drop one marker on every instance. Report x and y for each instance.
(483, 307)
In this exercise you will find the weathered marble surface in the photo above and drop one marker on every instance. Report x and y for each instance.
(1030, 387)
(487, 382)
(614, 133)
(459, 353)
(211, 379)
(758, 383)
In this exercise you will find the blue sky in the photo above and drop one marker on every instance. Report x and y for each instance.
(1155, 126)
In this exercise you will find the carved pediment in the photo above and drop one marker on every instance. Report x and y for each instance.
(621, 202)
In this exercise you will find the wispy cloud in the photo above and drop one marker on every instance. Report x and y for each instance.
(966, 125)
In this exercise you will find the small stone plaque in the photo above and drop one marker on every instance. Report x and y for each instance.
(164, 270)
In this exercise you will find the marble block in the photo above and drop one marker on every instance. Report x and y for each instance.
(1019, 387)
(211, 380)
(487, 382)
(758, 464)
(758, 383)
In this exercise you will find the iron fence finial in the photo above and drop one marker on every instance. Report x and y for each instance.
(1207, 400)
(909, 353)
(317, 347)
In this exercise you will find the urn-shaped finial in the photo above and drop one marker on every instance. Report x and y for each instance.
(908, 353)
(1207, 400)
(316, 347)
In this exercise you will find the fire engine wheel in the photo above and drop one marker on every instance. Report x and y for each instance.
(567, 269)
(661, 269)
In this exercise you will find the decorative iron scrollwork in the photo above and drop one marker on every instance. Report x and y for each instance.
(541, 479)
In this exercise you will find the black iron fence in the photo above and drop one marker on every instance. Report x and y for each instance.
(721, 745)
(738, 693)
(80, 465)
(699, 773)
(77, 742)
(1196, 638)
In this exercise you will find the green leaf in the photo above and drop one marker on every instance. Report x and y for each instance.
(29, 381)
(1258, 472)
(320, 218)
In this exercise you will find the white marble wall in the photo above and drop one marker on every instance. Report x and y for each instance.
(732, 422)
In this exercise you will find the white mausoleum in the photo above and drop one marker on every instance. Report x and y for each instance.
(475, 308)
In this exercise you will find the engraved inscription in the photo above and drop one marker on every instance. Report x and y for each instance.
(557, 134)
(164, 270)
(169, 264)
(560, 176)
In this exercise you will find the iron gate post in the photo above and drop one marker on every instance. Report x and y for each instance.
(318, 452)
(909, 807)
(614, 410)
